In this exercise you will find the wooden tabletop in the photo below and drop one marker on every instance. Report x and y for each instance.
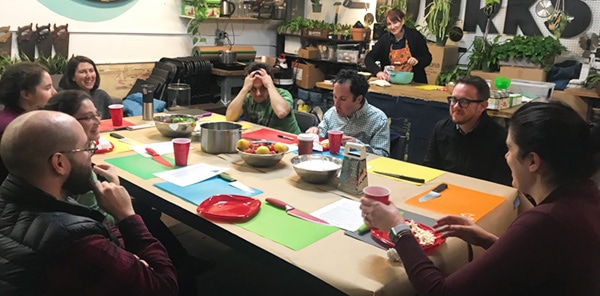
(366, 270)
(221, 72)
(583, 92)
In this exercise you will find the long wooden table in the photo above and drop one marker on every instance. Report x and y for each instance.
(336, 264)
(590, 96)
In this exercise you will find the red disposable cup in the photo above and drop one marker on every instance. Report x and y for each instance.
(378, 193)
(335, 141)
(181, 149)
(116, 114)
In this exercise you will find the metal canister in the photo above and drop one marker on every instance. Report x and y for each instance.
(147, 101)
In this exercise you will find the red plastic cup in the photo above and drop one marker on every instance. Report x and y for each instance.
(335, 141)
(181, 149)
(116, 114)
(378, 193)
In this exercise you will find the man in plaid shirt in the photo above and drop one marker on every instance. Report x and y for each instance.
(50, 245)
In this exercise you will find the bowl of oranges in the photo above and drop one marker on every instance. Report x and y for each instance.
(261, 153)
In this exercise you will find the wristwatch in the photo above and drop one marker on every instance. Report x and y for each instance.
(398, 231)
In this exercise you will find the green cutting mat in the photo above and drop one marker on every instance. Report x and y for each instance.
(292, 232)
(143, 167)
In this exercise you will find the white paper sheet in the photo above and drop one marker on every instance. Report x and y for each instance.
(343, 213)
(160, 148)
(191, 174)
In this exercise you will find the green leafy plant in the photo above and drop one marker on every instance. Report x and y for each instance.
(592, 80)
(56, 64)
(450, 76)
(535, 49)
(439, 21)
(482, 56)
(6, 61)
(293, 25)
(200, 7)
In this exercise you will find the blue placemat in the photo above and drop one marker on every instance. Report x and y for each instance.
(326, 153)
(197, 193)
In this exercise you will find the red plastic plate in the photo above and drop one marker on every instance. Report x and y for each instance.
(105, 150)
(229, 207)
(383, 237)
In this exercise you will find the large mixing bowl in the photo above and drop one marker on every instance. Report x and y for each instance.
(262, 160)
(316, 168)
(175, 125)
(401, 77)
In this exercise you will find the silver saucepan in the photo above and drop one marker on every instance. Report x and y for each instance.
(219, 137)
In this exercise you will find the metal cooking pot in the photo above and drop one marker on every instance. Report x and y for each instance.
(228, 56)
(219, 137)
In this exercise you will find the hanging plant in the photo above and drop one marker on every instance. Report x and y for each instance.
(439, 21)
(200, 7)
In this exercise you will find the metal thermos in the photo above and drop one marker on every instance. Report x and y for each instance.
(147, 101)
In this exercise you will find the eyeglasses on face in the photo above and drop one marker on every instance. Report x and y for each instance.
(91, 116)
(91, 148)
(463, 102)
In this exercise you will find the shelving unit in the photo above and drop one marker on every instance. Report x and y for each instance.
(233, 18)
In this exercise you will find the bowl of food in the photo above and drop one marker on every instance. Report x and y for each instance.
(261, 154)
(401, 77)
(316, 168)
(175, 125)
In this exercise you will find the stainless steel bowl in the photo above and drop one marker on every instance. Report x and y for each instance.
(321, 170)
(262, 160)
(164, 124)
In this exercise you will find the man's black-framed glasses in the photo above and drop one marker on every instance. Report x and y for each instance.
(462, 102)
(91, 148)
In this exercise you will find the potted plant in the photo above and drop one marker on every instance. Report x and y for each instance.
(446, 77)
(6, 61)
(293, 26)
(482, 57)
(439, 21)
(316, 5)
(199, 8)
(593, 81)
(528, 51)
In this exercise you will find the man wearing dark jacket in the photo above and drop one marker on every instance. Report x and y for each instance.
(51, 245)
(470, 142)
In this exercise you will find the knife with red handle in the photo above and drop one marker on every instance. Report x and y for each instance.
(158, 158)
(294, 212)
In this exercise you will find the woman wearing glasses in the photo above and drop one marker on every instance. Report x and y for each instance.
(551, 249)
(24, 87)
(79, 105)
(469, 142)
(82, 74)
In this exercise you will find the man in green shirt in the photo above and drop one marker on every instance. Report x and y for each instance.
(262, 102)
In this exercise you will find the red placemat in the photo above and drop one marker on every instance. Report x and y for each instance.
(106, 125)
(271, 135)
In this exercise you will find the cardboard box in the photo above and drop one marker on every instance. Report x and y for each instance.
(442, 58)
(307, 75)
(489, 76)
(310, 52)
(432, 75)
(534, 74)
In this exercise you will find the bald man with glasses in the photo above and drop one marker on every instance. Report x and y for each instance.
(470, 142)
(50, 244)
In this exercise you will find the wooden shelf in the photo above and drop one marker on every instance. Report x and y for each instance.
(328, 40)
(233, 18)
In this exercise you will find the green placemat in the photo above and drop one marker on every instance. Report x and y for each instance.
(143, 167)
(292, 232)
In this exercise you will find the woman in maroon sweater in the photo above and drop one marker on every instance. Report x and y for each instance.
(552, 249)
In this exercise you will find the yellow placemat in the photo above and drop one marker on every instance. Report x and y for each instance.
(119, 146)
(429, 87)
(456, 200)
(388, 165)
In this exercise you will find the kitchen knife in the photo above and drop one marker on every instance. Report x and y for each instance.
(158, 158)
(407, 178)
(293, 212)
(434, 193)
(122, 139)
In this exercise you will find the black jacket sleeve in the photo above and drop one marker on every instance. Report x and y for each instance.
(380, 52)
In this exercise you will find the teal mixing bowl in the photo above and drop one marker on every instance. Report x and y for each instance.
(401, 77)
